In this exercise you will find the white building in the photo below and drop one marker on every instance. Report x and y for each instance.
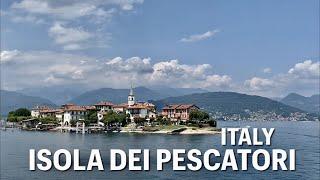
(134, 109)
(139, 109)
(73, 112)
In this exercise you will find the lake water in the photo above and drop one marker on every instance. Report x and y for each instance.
(15, 145)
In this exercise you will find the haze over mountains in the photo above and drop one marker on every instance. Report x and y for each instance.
(224, 102)
(59, 94)
(309, 104)
(12, 100)
(230, 103)
(78, 94)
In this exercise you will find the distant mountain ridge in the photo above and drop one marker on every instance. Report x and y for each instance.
(61, 94)
(116, 96)
(309, 104)
(231, 103)
(120, 95)
(58, 94)
(172, 92)
(11, 100)
(223, 103)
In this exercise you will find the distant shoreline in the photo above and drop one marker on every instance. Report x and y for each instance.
(181, 130)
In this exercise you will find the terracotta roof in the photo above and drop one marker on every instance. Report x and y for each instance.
(172, 106)
(75, 108)
(49, 110)
(69, 104)
(60, 111)
(178, 106)
(123, 105)
(185, 106)
(40, 107)
(141, 106)
(104, 103)
(89, 107)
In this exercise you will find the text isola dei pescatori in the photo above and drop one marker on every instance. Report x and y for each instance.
(234, 158)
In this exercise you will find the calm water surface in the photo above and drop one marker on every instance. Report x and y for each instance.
(15, 145)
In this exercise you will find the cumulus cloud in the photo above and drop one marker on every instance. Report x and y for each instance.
(34, 68)
(21, 69)
(303, 77)
(258, 84)
(37, 68)
(97, 12)
(130, 65)
(213, 81)
(69, 37)
(73, 9)
(199, 37)
(168, 72)
(7, 56)
(267, 70)
(306, 69)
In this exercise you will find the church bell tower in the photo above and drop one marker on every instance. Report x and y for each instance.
(131, 100)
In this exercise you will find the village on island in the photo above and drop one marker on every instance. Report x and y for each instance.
(104, 116)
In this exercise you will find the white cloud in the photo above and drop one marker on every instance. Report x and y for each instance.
(302, 78)
(21, 69)
(306, 69)
(38, 68)
(199, 37)
(213, 81)
(68, 10)
(267, 70)
(27, 19)
(7, 56)
(74, 13)
(69, 37)
(258, 84)
(64, 35)
(130, 65)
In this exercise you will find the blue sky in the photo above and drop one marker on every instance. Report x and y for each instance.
(259, 47)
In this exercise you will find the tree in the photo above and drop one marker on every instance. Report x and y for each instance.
(139, 120)
(112, 117)
(19, 115)
(73, 122)
(198, 118)
(92, 117)
(22, 112)
(198, 115)
(48, 120)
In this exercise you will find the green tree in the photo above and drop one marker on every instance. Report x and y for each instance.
(139, 120)
(22, 112)
(73, 122)
(112, 117)
(19, 115)
(92, 117)
(198, 115)
(48, 120)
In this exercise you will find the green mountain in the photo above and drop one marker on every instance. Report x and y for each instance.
(58, 94)
(172, 92)
(12, 100)
(309, 104)
(231, 103)
(116, 96)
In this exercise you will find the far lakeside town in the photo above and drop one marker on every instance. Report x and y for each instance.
(132, 116)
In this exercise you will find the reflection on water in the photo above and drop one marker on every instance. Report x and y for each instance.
(15, 145)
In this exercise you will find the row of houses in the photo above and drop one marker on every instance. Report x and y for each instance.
(68, 112)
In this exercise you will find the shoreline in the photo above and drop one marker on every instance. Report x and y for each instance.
(186, 131)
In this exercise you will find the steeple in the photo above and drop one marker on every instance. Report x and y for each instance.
(131, 90)
(131, 99)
